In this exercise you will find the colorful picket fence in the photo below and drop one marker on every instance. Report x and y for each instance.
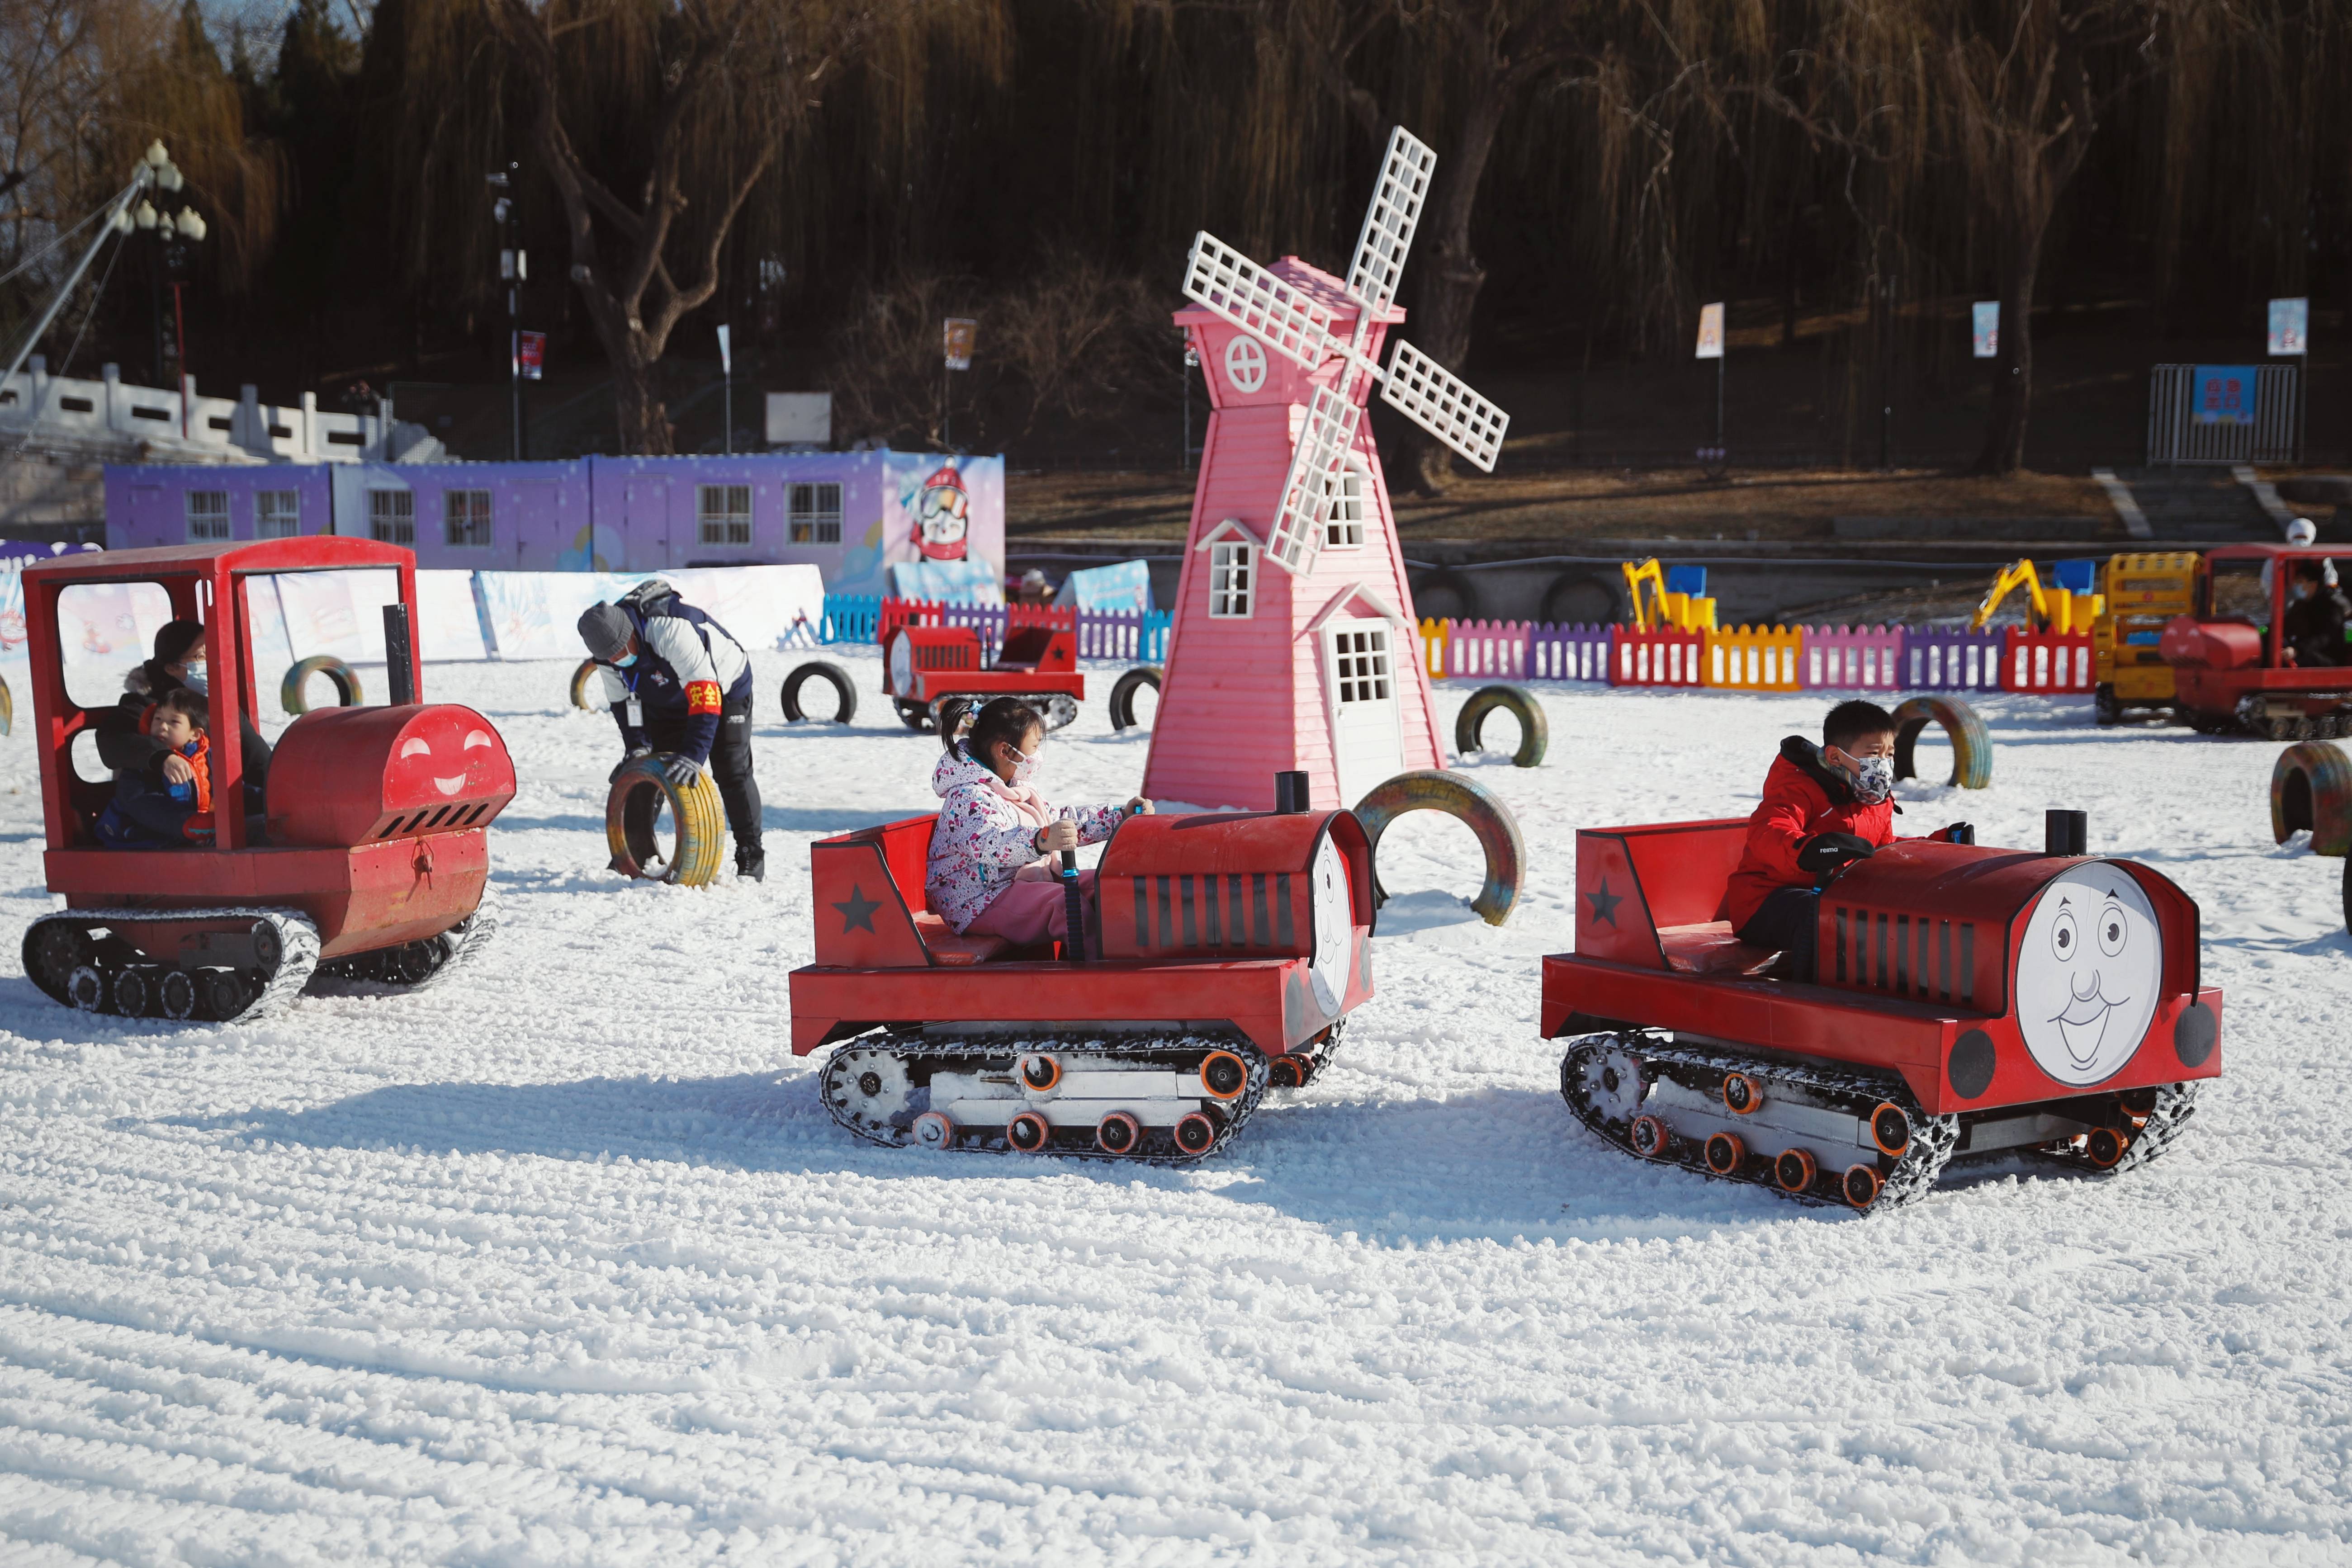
(1658, 658)
(2047, 662)
(1943, 660)
(1853, 658)
(1127, 636)
(1755, 658)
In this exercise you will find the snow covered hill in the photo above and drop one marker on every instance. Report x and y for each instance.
(563, 1263)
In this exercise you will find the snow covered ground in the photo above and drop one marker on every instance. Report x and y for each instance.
(564, 1263)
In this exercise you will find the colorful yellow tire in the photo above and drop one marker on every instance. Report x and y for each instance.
(292, 697)
(7, 708)
(696, 813)
(2311, 788)
(1971, 746)
(1469, 801)
(580, 678)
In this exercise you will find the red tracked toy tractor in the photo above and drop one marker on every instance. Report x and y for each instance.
(2230, 664)
(1968, 999)
(923, 666)
(1226, 952)
(376, 821)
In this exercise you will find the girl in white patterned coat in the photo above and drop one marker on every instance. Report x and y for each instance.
(993, 868)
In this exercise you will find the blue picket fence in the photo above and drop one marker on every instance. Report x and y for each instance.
(1125, 636)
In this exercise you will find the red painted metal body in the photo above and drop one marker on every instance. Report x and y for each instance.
(376, 816)
(2218, 660)
(924, 663)
(882, 958)
(1917, 949)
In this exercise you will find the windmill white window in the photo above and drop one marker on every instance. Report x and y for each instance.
(207, 515)
(1344, 507)
(277, 514)
(1231, 564)
(1287, 321)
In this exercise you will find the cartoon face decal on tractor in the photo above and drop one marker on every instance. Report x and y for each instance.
(2088, 974)
(445, 754)
(942, 515)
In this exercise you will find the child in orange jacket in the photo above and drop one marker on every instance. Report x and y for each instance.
(150, 811)
(1824, 808)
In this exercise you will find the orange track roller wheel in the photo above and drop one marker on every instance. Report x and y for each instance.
(1649, 1137)
(933, 1129)
(2106, 1146)
(1224, 1075)
(1890, 1128)
(1860, 1185)
(1195, 1132)
(1029, 1133)
(1117, 1133)
(1726, 1153)
(1794, 1170)
(1039, 1072)
(1741, 1093)
(1289, 1072)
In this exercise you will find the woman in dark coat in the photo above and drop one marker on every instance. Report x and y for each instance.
(123, 743)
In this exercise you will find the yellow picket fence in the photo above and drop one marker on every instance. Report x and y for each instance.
(1754, 658)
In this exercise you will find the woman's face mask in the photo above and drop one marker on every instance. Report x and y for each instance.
(193, 675)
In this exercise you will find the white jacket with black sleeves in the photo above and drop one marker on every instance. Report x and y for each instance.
(687, 667)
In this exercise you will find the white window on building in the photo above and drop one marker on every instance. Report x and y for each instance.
(817, 513)
(277, 514)
(723, 513)
(392, 516)
(1231, 562)
(207, 515)
(465, 518)
(1344, 509)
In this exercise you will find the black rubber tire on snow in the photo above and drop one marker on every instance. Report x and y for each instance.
(1122, 695)
(833, 674)
(1534, 734)
(916, 717)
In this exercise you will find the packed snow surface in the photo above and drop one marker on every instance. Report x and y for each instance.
(563, 1262)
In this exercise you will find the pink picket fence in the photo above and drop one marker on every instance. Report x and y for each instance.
(1864, 658)
(2047, 662)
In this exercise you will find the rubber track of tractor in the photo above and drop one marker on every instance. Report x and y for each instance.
(946, 1056)
(1914, 1176)
(298, 947)
(2175, 1104)
(465, 945)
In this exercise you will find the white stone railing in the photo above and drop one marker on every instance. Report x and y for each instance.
(111, 418)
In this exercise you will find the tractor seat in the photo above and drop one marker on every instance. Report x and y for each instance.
(1711, 949)
(957, 952)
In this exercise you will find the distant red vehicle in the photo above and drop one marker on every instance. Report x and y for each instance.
(376, 818)
(1230, 950)
(923, 666)
(1969, 1000)
(2230, 662)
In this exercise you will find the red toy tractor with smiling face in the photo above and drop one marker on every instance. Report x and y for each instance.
(375, 851)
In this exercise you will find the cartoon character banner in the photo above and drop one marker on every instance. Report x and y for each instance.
(535, 614)
(944, 516)
(1124, 588)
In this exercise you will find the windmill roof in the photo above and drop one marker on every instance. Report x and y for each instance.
(1327, 293)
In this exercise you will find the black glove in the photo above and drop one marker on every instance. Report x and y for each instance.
(1826, 853)
(635, 752)
(1959, 833)
(681, 770)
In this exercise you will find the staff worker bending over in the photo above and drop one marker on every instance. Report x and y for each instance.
(680, 685)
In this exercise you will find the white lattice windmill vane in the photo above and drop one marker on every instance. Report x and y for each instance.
(1292, 323)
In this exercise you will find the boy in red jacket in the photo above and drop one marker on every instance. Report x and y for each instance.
(1824, 808)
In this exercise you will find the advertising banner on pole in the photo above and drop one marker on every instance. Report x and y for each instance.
(1984, 329)
(531, 354)
(960, 332)
(1710, 331)
(2290, 326)
(2222, 394)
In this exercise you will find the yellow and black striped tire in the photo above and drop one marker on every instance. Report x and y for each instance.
(1463, 798)
(294, 699)
(1972, 744)
(696, 813)
(582, 686)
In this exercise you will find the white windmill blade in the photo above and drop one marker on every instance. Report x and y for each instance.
(1444, 404)
(1389, 221)
(1324, 440)
(1264, 306)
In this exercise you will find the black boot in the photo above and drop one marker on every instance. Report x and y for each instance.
(751, 864)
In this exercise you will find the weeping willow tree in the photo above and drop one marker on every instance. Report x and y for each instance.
(657, 124)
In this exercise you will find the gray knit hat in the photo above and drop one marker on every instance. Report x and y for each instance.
(605, 629)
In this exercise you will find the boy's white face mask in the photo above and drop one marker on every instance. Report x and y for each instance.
(1873, 778)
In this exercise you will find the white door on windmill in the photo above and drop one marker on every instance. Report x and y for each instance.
(1360, 686)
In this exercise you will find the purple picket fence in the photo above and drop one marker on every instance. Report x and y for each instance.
(1937, 659)
(1865, 657)
(1575, 653)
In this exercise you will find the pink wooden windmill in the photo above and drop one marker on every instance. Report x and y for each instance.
(1310, 666)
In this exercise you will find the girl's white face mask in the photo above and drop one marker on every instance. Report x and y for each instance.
(1025, 766)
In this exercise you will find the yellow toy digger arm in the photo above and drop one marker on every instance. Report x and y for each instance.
(1652, 573)
(2014, 575)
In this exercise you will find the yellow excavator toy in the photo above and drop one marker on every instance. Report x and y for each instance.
(1658, 606)
(2056, 609)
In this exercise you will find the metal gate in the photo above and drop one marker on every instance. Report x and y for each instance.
(2176, 435)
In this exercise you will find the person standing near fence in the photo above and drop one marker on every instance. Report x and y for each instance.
(680, 685)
